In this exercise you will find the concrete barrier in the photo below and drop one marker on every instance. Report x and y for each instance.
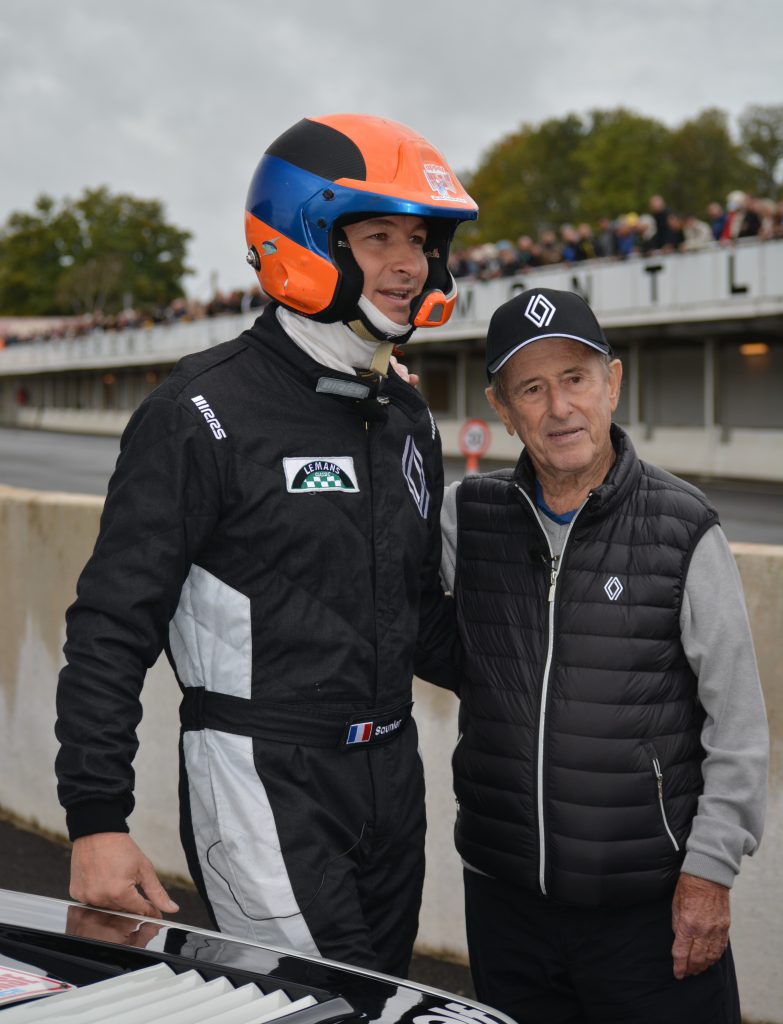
(45, 538)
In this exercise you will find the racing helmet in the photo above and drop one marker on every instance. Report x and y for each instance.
(325, 172)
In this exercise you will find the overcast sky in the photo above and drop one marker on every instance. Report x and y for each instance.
(177, 99)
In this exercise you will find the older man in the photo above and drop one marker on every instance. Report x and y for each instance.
(611, 768)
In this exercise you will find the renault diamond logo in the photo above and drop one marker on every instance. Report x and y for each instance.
(413, 471)
(613, 588)
(540, 311)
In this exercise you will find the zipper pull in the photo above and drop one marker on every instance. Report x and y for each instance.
(552, 580)
(658, 776)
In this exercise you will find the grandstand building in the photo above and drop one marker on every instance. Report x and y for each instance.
(700, 335)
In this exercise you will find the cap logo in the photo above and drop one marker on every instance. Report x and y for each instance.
(540, 310)
(439, 180)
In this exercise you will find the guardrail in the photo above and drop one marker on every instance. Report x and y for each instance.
(142, 346)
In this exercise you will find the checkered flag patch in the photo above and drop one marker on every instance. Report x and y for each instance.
(315, 475)
(322, 480)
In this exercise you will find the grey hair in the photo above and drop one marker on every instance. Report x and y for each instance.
(496, 385)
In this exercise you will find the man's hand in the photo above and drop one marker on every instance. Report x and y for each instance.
(109, 870)
(404, 373)
(700, 922)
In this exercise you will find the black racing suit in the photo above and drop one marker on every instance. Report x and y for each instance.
(275, 525)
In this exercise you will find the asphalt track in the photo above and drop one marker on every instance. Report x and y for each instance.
(78, 463)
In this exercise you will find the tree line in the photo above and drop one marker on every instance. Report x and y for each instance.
(607, 162)
(104, 251)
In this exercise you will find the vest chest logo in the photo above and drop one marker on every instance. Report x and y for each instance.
(613, 588)
(413, 471)
(318, 473)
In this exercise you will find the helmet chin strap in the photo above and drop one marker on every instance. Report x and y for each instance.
(375, 326)
(380, 361)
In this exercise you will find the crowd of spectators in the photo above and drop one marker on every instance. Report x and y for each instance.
(179, 311)
(660, 230)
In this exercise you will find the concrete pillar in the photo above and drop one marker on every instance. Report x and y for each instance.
(461, 410)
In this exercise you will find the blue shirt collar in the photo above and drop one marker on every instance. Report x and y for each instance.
(563, 518)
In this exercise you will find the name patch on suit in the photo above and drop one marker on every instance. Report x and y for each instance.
(318, 473)
(384, 727)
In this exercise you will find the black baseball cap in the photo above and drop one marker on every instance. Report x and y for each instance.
(541, 313)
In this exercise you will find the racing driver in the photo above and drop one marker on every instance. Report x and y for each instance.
(273, 523)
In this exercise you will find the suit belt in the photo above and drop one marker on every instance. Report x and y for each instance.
(302, 724)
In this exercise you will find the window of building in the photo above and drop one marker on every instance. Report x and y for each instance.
(476, 402)
(438, 384)
(672, 385)
(109, 397)
(750, 383)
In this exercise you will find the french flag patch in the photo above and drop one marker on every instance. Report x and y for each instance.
(359, 732)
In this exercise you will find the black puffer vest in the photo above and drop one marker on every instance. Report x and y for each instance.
(578, 767)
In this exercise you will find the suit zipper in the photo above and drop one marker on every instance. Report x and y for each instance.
(554, 571)
(371, 437)
(374, 575)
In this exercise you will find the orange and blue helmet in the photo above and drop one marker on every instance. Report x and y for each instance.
(325, 172)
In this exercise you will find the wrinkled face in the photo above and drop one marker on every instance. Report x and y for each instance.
(559, 399)
(389, 251)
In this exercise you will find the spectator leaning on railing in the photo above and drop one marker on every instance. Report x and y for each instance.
(661, 230)
(630, 234)
(178, 311)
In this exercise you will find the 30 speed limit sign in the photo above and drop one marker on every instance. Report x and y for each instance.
(474, 437)
(474, 441)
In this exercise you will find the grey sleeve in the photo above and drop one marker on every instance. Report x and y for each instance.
(448, 527)
(719, 648)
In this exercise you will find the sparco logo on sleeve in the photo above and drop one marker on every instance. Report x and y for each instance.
(209, 416)
(319, 473)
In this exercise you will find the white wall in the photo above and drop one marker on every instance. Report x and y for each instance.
(45, 539)
(689, 451)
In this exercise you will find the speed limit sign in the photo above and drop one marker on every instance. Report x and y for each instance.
(474, 441)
